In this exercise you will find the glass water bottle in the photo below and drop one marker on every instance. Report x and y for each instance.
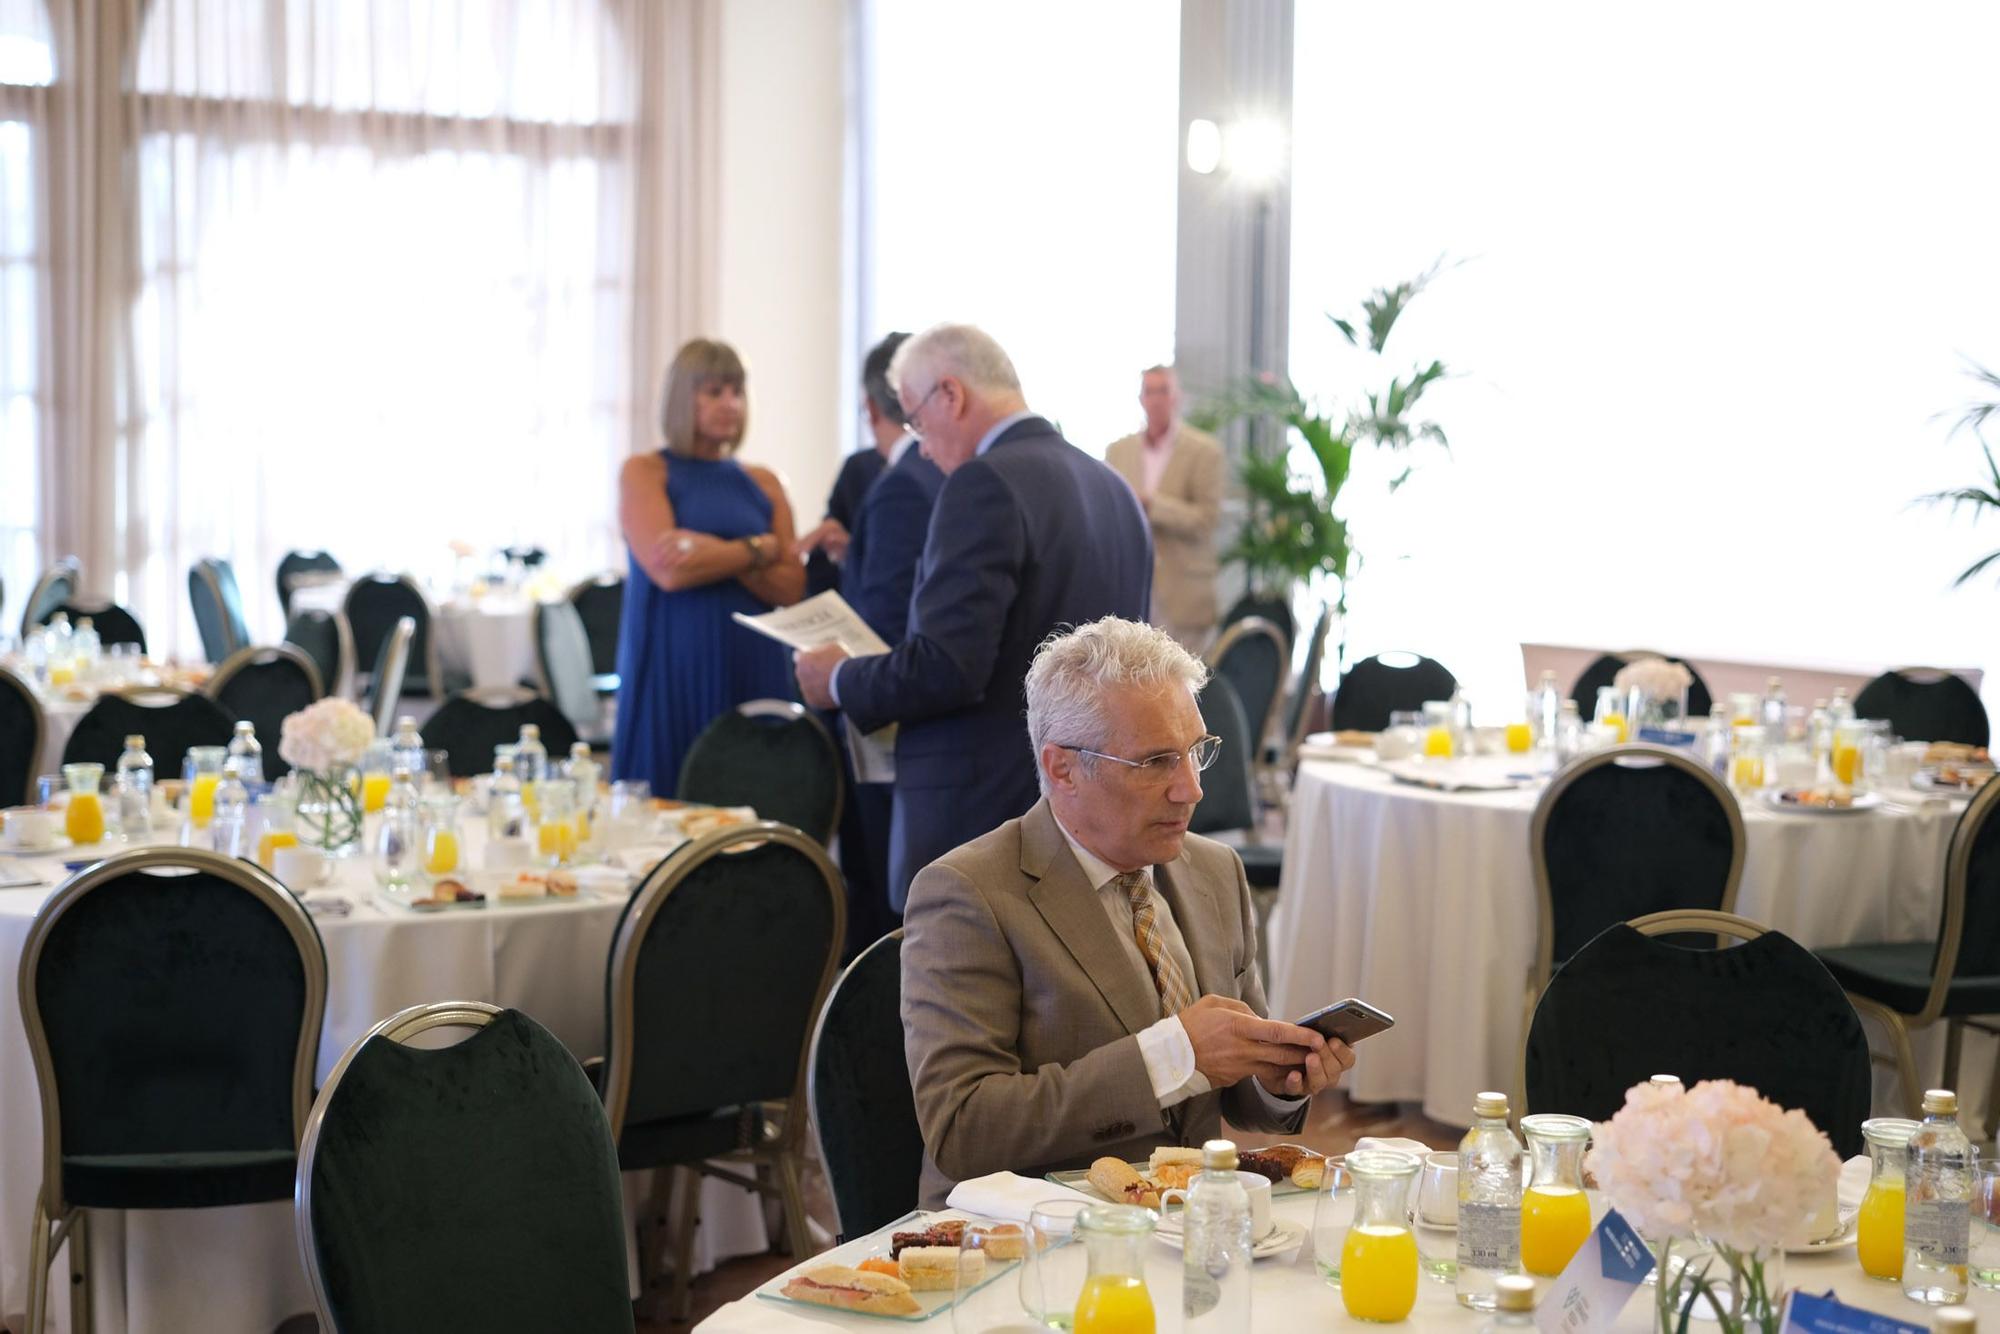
(1489, 1202)
(1937, 1205)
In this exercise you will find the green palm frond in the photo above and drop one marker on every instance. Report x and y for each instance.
(1972, 571)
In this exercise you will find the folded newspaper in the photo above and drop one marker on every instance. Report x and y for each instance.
(827, 619)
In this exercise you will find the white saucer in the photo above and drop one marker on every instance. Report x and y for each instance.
(1849, 1230)
(60, 843)
(1282, 1237)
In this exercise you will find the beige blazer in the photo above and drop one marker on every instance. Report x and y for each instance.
(1183, 511)
(1021, 1008)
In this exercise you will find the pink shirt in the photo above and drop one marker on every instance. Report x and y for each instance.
(1154, 454)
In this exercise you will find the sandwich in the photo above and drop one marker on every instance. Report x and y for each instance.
(852, 1290)
(1117, 1181)
(934, 1268)
(1174, 1155)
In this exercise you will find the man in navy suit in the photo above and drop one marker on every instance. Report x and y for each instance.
(1029, 534)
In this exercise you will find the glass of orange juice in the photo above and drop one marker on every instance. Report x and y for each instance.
(441, 844)
(1378, 1260)
(280, 830)
(203, 771)
(83, 821)
(375, 775)
(1114, 1299)
(1520, 738)
(1746, 758)
(1555, 1213)
(1878, 1241)
(1610, 712)
(555, 836)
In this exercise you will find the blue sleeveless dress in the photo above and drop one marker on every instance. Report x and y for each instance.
(682, 662)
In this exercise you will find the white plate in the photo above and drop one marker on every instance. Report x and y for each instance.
(1863, 801)
(877, 1243)
(1282, 1237)
(1925, 780)
(61, 844)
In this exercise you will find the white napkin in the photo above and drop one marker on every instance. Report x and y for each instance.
(1853, 1183)
(1394, 1145)
(1009, 1196)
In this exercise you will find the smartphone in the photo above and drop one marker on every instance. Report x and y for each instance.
(1350, 1020)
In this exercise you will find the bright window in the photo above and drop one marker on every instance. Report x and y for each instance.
(1723, 267)
(27, 68)
(1030, 191)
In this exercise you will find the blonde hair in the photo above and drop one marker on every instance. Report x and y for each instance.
(1073, 668)
(700, 362)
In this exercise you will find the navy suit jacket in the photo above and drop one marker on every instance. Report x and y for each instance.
(887, 540)
(861, 471)
(1031, 535)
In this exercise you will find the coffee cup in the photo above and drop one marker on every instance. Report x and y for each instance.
(1437, 1190)
(1257, 1187)
(300, 868)
(29, 829)
(507, 854)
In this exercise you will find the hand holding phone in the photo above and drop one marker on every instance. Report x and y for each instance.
(1349, 1020)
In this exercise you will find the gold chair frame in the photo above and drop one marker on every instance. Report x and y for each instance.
(258, 655)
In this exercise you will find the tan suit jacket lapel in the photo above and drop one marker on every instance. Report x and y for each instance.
(1071, 907)
(1199, 918)
(1173, 481)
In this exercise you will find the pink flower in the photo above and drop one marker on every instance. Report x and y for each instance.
(324, 736)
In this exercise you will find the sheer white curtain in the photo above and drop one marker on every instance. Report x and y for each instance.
(1021, 176)
(1723, 264)
(27, 68)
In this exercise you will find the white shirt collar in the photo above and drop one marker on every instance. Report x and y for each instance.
(900, 448)
(986, 441)
(1095, 869)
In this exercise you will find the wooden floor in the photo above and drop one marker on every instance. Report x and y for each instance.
(1332, 1127)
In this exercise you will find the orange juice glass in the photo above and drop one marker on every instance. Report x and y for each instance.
(1878, 1242)
(1437, 743)
(1555, 1213)
(1520, 738)
(1378, 1258)
(84, 820)
(1114, 1299)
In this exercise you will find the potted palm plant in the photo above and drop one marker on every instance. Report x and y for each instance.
(1985, 494)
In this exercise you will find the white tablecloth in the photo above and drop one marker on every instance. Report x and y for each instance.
(1288, 1295)
(1423, 903)
(236, 1271)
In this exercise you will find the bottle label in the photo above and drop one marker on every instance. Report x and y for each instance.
(1200, 1293)
(1489, 1236)
(1938, 1230)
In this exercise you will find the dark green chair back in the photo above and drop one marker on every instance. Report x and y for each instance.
(530, 557)
(1765, 1013)
(1604, 672)
(601, 604)
(172, 1000)
(1629, 831)
(469, 1187)
(1926, 705)
(22, 729)
(294, 564)
(562, 651)
(859, 1087)
(113, 623)
(1252, 655)
(471, 723)
(55, 586)
(323, 637)
(1975, 840)
(375, 603)
(1372, 689)
(1228, 793)
(770, 754)
(218, 608)
(264, 686)
(1278, 611)
(170, 728)
(738, 933)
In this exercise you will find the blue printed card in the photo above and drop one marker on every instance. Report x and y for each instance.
(1808, 1314)
(1597, 1282)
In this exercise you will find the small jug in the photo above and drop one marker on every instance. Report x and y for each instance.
(1114, 1298)
(1878, 1241)
(1555, 1213)
(1378, 1261)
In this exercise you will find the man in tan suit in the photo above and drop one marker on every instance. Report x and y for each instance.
(1082, 981)
(1178, 473)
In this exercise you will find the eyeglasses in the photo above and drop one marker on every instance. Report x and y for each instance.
(1160, 768)
(910, 417)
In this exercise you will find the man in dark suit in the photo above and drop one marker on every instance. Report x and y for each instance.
(1029, 534)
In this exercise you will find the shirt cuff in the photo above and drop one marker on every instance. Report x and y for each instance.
(1280, 1107)
(833, 682)
(1169, 1058)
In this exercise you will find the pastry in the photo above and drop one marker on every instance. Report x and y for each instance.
(1275, 1162)
(945, 1232)
(853, 1290)
(1003, 1241)
(935, 1268)
(1308, 1172)
(1116, 1180)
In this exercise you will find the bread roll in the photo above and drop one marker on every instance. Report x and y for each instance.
(853, 1290)
(1120, 1183)
(1004, 1241)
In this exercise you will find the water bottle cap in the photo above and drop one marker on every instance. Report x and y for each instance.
(1514, 1292)
(1218, 1155)
(1490, 1105)
(1940, 1102)
(1957, 1319)
(244, 725)
(135, 742)
(530, 732)
(1665, 1081)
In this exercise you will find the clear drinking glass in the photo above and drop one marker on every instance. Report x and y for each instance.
(1610, 712)
(1055, 1266)
(983, 1251)
(202, 770)
(1437, 1216)
(1983, 1263)
(1747, 755)
(1332, 1212)
(442, 846)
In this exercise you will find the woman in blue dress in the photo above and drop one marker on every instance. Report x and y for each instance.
(708, 537)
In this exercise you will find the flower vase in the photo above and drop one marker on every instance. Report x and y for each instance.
(1659, 713)
(328, 812)
(1703, 1283)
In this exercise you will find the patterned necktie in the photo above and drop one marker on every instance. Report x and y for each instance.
(1173, 988)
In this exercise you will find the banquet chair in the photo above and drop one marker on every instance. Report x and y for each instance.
(1253, 654)
(471, 723)
(323, 636)
(385, 683)
(264, 686)
(172, 999)
(1305, 690)
(170, 720)
(1955, 976)
(1604, 672)
(771, 754)
(1387, 683)
(600, 601)
(864, 1117)
(302, 567)
(113, 623)
(1229, 803)
(22, 731)
(562, 656)
(1926, 704)
(55, 586)
(737, 933)
(463, 1187)
(1631, 1004)
(1278, 611)
(375, 604)
(530, 557)
(218, 608)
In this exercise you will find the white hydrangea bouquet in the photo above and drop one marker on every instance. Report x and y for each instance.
(1654, 689)
(1726, 1175)
(323, 743)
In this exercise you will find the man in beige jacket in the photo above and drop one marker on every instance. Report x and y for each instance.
(1082, 981)
(1179, 474)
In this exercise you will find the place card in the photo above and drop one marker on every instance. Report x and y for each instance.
(1597, 1282)
(1827, 1314)
(1667, 736)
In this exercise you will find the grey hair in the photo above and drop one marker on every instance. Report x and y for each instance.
(1074, 667)
(959, 350)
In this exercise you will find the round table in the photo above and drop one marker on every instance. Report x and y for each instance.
(1423, 902)
(237, 1270)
